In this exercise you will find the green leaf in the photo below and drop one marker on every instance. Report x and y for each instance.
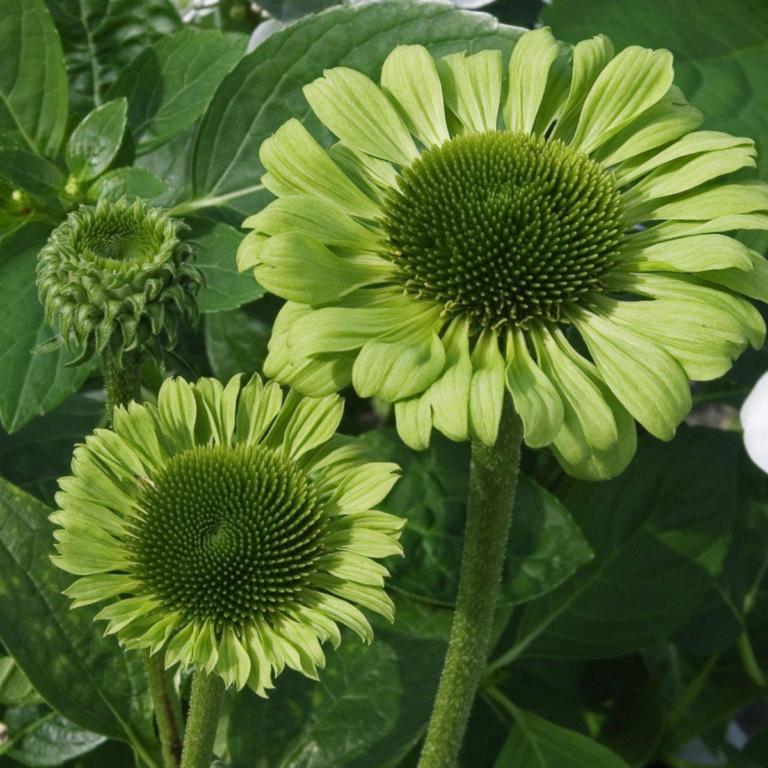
(546, 547)
(15, 687)
(169, 85)
(95, 142)
(264, 89)
(537, 743)
(235, 342)
(37, 455)
(369, 708)
(33, 81)
(101, 36)
(126, 182)
(660, 533)
(30, 385)
(720, 60)
(83, 675)
(288, 10)
(216, 245)
(39, 737)
(32, 173)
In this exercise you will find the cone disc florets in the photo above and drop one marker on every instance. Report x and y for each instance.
(228, 528)
(116, 277)
(504, 227)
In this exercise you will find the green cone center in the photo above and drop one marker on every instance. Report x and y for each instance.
(228, 535)
(118, 235)
(505, 227)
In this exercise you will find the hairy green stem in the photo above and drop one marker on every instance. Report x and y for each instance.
(203, 720)
(122, 383)
(492, 484)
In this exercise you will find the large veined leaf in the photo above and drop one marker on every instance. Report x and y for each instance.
(101, 36)
(537, 743)
(545, 545)
(720, 52)
(169, 85)
(30, 384)
(660, 533)
(33, 82)
(83, 675)
(264, 89)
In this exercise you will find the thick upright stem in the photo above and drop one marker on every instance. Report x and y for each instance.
(203, 720)
(122, 383)
(492, 484)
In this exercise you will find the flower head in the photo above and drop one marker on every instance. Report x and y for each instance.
(229, 528)
(116, 277)
(558, 233)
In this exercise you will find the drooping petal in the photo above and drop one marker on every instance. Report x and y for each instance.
(413, 418)
(472, 88)
(486, 394)
(696, 253)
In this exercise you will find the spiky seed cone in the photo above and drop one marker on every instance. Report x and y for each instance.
(115, 278)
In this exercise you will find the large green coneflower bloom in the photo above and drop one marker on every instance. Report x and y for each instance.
(228, 528)
(558, 233)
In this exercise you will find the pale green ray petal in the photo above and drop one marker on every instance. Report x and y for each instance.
(373, 175)
(598, 438)
(683, 175)
(611, 105)
(721, 200)
(663, 123)
(413, 418)
(345, 534)
(304, 423)
(645, 378)
(341, 611)
(532, 57)
(352, 567)
(535, 397)
(375, 520)
(704, 339)
(87, 514)
(249, 250)
(298, 164)
(355, 109)
(589, 59)
(364, 488)
(158, 633)
(78, 496)
(257, 408)
(373, 598)
(486, 395)
(670, 230)
(325, 627)
(449, 395)
(753, 283)
(338, 329)
(98, 587)
(234, 663)
(205, 652)
(216, 410)
(181, 646)
(315, 217)
(101, 484)
(689, 254)
(409, 77)
(86, 558)
(674, 287)
(317, 376)
(300, 269)
(472, 88)
(137, 425)
(694, 143)
(115, 455)
(124, 611)
(260, 679)
(177, 413)
(396, 370)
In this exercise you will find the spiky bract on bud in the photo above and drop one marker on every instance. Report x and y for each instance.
(115, 278)
(228, 528)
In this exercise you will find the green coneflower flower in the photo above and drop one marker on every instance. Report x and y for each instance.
(558, 234)
(228, 528)
(116, 278)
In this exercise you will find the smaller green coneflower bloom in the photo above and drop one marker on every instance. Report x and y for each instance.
(555, 227)
(228, 528)
(116, 277)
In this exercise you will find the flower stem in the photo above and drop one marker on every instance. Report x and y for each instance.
(492, 484)
(122, 383)
(203, 720)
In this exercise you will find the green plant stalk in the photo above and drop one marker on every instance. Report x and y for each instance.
(492, 485)
(203, 720)
(122, 383)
